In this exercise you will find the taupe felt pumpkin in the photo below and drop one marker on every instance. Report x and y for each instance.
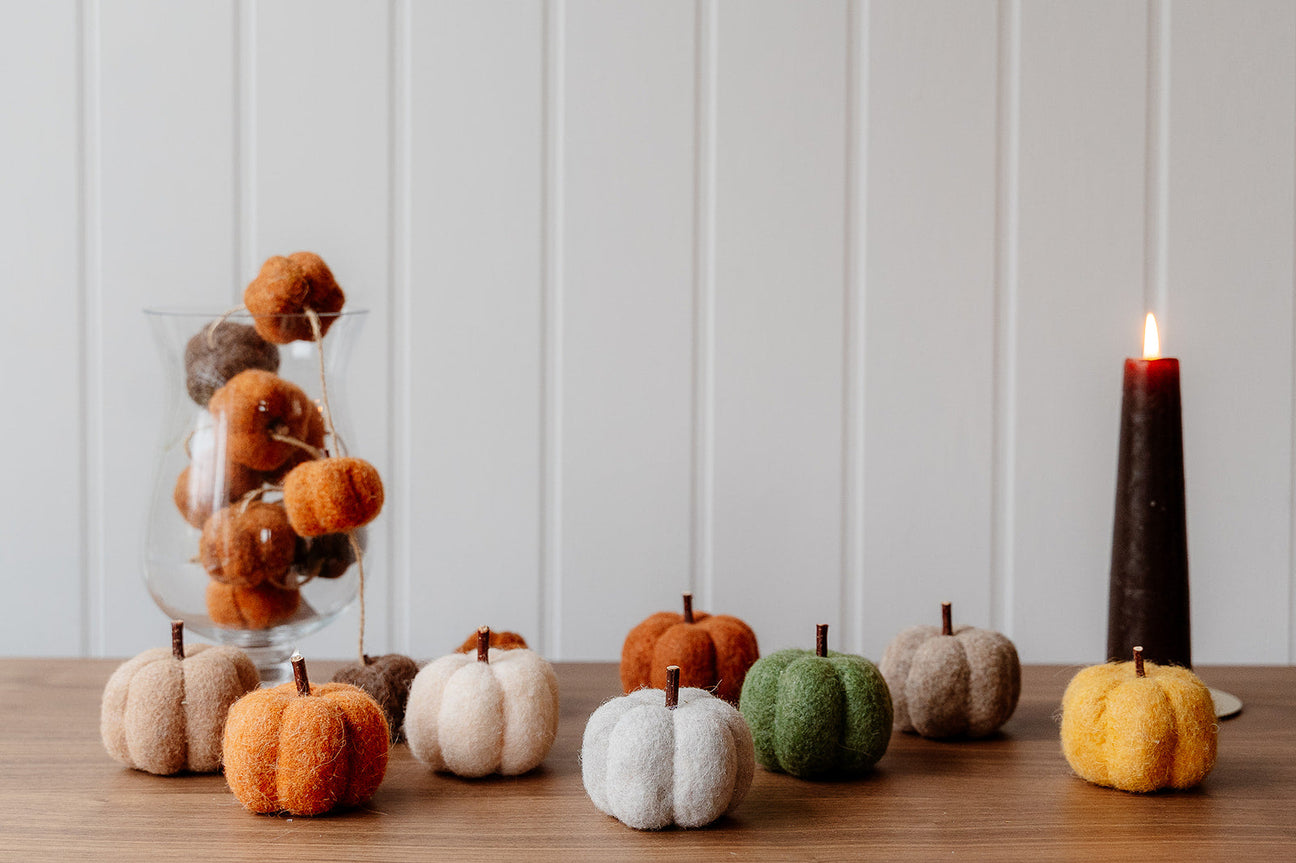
(951, 681)
(164, 711)
(387, 680)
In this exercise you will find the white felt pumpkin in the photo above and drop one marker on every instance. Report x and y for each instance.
(651, 765)
(495, 712)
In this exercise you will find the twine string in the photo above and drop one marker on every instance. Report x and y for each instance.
(318, 332)
(211, 328)
(359, 556)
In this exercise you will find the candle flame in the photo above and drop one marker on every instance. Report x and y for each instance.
(1151, 341)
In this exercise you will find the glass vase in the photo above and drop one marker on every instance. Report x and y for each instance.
(216, 554)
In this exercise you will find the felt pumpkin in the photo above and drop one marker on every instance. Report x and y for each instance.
(215, 354)
(712, 651)
(1139, 726)
(285, 289)
(332, 495)
(313, 436)
(164, 711)
(387, 679)
(498, 640)
(248, 544)
(204, 486)
(815, 713)
(256, 408)
(328, 556)
(951, 681)
(495, 712)
(655, 758)
(305, 749)
(257, 607)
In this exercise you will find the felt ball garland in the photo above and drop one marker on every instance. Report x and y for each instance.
(816, 714)
(164, 711)
(655, 757)
(495, 712)
(305, 749)
(712, 651)
(949, 681)
(1139, 726)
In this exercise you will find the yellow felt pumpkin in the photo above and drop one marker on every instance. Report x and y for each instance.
(1139, 726)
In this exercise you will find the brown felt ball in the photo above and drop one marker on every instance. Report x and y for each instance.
(250, 607)
(164, 711)
(215, 354)
(387, 679)
(246, 545)
(285, 288)
(712, 651)
(498, 641)
(327, 556)
(332, 495)
(305, 749)
(201, 489)
(254, 405)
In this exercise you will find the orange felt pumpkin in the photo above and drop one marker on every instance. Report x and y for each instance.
(332, 495)
(713, 651)
(305, 750)
(498, 640)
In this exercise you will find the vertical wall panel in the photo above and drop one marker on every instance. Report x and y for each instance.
(320, 163)
(929, 313)
(1229, 316)
(475, 315)
(627, 317)
(167, 217)
(780, 254)
(39, 245)
(1079, 310)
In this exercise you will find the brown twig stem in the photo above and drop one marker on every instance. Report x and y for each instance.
(299, 674)
(688, 607)
(1139, 670)
(483, 644)
(177, 639)
(947, 619)
(821, 639)
(672, 686)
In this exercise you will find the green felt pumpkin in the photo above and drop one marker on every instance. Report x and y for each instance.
(816, 713)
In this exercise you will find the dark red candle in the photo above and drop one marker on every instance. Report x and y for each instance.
(1148, 602)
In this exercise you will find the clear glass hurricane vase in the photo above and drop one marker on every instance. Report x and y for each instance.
(199, 480)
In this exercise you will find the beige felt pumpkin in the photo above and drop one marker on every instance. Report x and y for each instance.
(164, 711)
(492, 712)
(951, 681)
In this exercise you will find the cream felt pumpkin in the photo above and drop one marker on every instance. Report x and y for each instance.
(492, 712)
(164, 711)
(655, 758)
(951, 681)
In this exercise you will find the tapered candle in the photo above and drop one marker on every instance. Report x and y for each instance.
(1148, 600)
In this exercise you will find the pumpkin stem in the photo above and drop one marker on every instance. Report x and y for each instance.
(821, 639)
(299, 674)
(177, 639)
(947, 619)
(1139, 671)
(483, 644)
(688, 607)
(672, 686)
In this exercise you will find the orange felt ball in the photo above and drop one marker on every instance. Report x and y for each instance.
(712, 651)
(332, 495)
(250, 607)
(284, 289)
(248, 545)
(498, 640)
(254, 405)
(305, 749)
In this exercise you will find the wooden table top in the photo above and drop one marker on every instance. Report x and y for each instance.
(1011, 797)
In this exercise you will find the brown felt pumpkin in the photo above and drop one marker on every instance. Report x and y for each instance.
(712, 651)
(332, 495)
(950, 681)
(164, 711)
(498, 641)
(285, 289)
(328, 556)
(387, 679)
(248, 544)
(305, 749)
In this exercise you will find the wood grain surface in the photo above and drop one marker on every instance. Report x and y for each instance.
(1011, 797)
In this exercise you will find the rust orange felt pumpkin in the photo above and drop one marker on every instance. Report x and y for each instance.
(332, 495)
(498, 641)
(305, 749)
(713, 651)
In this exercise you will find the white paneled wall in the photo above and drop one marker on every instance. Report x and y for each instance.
(817, 309)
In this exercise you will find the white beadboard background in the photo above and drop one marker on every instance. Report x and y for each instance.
(815, 308)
